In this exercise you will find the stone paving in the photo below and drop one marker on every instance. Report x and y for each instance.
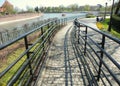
(62, 67)
(61, 70)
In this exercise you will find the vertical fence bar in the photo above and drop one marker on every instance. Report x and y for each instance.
(8, 36)
(75, 30)
(26, 46)
(64, 21)
(101, 56)
(1, 38)
(42, 38)
(59, 24)
(48, 34)
(78, 33)
(86, 30)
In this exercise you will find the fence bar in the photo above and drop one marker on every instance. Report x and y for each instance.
(101, 56)
(28, 53)
(86, 30)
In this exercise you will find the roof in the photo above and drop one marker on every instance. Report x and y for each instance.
(3, 7)
(6, 3)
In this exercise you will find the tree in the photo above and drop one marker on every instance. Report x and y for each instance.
(73, 7)
(16, 10)
(29, 9)
(87, 8)
(61, 8)
(37, 9)
(41, 9)
(117, 8)
(99, 6)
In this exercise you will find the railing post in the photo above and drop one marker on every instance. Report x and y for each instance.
(101, 57)
(59, 24)
(42, 38)
(75, 30)
(52, 24)
(7, 35)
(27, 46)
(85, 40)
(48, 33)
(78, 33)
(63, 21)
(1, 38)
(56, 23)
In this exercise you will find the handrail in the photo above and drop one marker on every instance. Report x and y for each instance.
(22, 36)
(93, 46)
(101, 32)
(35, 54)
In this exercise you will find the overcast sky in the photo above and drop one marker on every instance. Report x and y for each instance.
(22, 4)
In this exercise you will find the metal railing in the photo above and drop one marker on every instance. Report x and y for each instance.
(29, 63)
(98, 53)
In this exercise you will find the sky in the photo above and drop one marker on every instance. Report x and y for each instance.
(22, 4)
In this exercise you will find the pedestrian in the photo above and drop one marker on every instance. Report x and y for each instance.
(97, 19)
(76, 23)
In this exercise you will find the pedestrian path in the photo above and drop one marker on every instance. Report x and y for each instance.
(62, 67)
(65, 65)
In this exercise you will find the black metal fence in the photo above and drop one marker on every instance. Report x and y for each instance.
(99, 53)
(25, 68)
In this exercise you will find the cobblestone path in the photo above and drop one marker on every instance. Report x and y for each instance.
(65, 65)
(62, 67)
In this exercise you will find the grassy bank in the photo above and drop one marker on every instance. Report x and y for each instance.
(10, 57)
(104, 27)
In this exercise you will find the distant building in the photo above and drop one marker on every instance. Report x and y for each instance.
(6, 8)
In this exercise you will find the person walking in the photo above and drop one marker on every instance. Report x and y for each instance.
(97, 19)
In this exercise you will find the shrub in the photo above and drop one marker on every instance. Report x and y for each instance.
(90, 15)
(116, 22)
(99, 25)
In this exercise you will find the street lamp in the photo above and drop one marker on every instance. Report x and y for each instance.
(105, 10)
(110, 23)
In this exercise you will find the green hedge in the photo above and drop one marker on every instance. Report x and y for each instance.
(116, 22)
(90, 15)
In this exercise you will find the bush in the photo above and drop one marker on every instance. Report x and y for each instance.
(99, 25)
(90, 15)
(116, 22)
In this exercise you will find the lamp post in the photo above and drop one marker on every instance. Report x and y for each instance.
(110, 23)
(105, 10)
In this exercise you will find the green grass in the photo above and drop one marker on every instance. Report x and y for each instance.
(89, 15)
(113, 31)
(13, 70)
(10, 59)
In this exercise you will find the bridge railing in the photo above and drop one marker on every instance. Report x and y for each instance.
(100, 55)
(28, 63)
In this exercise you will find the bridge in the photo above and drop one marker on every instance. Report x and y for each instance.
(65, 54)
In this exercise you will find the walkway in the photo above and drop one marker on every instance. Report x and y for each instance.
(63, 66)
